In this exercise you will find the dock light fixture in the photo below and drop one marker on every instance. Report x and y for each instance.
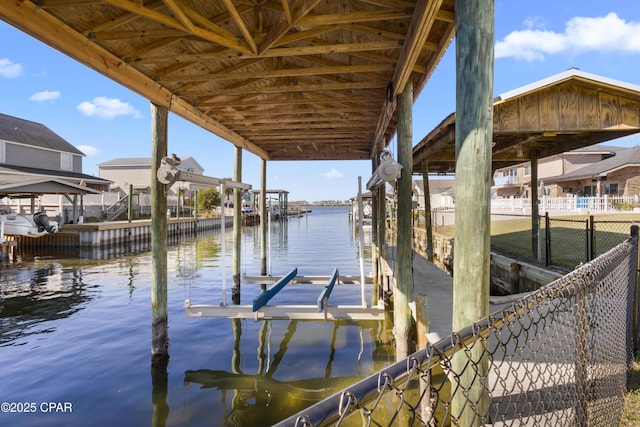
(388, 171)
(168, 173)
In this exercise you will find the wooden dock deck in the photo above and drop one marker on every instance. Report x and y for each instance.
(435, 286)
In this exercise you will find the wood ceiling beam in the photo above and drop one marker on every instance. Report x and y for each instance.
(307, 122)
(287, 11)
(123, 19)
(347, 48)
(237, 19)
(234, 43)
(303, 35)
(391, 4)
(317, 134)
(331, 100)
(285, 26)
(288, 89)
(135, 34)
(316, 109)
(278, 138)
(50, 4)
(369, 57)
(421, 23)
(346, 18)
(335, 121)
(423, 19)
(166, 74)
(46, 28)
(292, 72)
(177, 11)
(370, 31)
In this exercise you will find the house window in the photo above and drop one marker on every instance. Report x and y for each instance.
(527, 170)
(2, 152)
(66, 161)
(610, 188)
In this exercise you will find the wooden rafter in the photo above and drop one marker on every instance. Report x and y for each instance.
(286, 79)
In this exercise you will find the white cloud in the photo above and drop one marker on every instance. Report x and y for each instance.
(534, 22)
(45, 95)
(108, 108)
(333, 173)
(608, 33)
(88, 150)
(8, 69)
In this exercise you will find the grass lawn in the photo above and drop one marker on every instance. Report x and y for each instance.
(569, 237)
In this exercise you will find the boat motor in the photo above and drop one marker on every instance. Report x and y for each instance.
(42, 221)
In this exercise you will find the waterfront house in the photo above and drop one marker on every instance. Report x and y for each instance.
(136, 171)
(36, 163)
(441, 191)
(36, 160)
(590, 171)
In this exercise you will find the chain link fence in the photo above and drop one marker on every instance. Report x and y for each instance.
(571, 242)
(562, 242)
(558, 356)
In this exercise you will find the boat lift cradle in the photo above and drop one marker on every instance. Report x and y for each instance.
(259, 310)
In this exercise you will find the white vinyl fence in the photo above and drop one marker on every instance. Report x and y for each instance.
(568, 204)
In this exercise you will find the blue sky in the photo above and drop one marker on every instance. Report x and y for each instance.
(534, 40)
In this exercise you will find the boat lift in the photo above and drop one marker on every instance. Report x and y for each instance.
(168, 173)
(259, 310)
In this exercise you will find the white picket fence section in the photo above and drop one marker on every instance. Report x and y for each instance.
(568, 204)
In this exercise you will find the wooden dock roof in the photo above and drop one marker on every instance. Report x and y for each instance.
(564, 112)
(283, 79)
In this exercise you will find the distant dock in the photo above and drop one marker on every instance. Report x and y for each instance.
(108, 234)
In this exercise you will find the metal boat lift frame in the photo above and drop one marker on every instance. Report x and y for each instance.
(259, 310)
(321, 311)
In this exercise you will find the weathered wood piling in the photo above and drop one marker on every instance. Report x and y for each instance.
(159, 316)
(471, 261)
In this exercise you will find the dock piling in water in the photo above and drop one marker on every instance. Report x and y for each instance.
(159, 316)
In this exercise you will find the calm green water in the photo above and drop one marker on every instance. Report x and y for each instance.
(75, 335)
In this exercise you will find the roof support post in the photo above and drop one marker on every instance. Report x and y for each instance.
(402, 319)
(263, 220)
(382, 243)
(237, 226)
(427, 209)
(375, 217)
(159, 316)
(535, 207)
(471, 261)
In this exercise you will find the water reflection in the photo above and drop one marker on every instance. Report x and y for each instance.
(262, 398)
(35, 296)
(80, 319)
(159, 391)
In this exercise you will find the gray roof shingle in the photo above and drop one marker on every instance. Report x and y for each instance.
(623, 157)
(26, 132)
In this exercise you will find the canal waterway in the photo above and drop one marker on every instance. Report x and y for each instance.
(75, 334)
